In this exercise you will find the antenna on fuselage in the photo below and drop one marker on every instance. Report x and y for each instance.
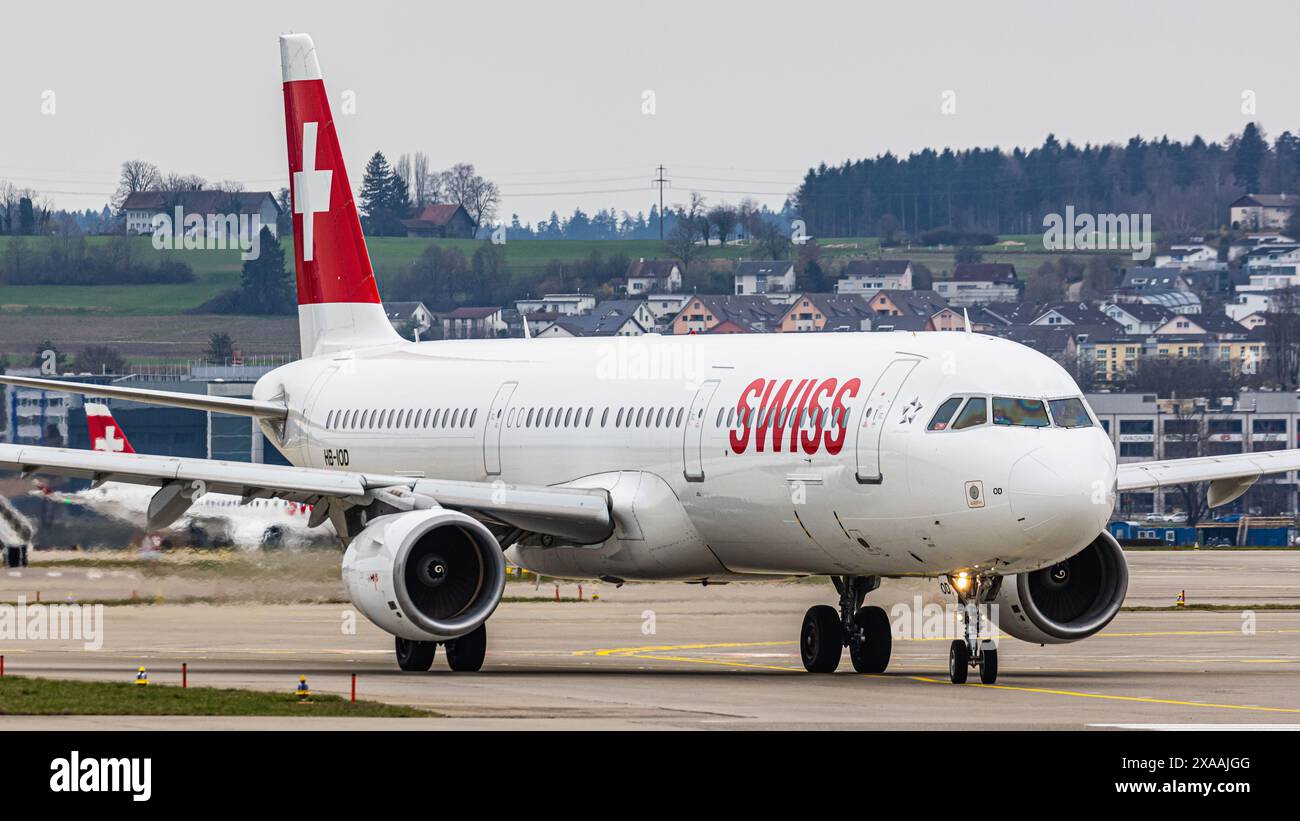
(965, 315)
(527, 333)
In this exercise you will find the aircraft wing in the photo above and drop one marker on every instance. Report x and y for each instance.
(578, 515)
(193, 401)
(1229, 475)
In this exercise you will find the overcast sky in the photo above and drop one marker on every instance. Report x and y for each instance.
(546, 98)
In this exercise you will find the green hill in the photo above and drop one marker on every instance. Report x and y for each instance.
(218, 270)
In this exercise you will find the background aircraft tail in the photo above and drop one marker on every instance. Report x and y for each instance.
(338, 301)
(105, 434)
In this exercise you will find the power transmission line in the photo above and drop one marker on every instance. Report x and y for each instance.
(661, 182)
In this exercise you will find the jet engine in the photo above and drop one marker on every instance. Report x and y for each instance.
(425, 575)
(1069, 600)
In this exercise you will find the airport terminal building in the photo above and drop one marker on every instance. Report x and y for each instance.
(1144, 428)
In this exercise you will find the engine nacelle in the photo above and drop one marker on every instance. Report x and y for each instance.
(1068, 601)
(425, 575)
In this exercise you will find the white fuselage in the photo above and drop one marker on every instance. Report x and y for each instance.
(883, 496)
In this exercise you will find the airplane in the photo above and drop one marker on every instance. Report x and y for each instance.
(219, 517)
(861, 456)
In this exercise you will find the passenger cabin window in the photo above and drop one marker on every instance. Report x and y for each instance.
(944, 414)
(1029, 413)
(1069, 413)
(975, 413)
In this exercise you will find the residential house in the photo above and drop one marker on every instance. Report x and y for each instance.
(563, 304)
(665, 306)
(753, 313)
(979, 283)
(1071, 313)
(412, 314)
(1255, 212)
(1218, 325)
(616, 317)
(914, 311)
(1187, 256)
(1136, 317)
(1112, 357)
(659, 276)
(142, 207)
(473, 323)
(1242, 246)
(1060, 342)
(861, 276)
(827, 312)
(1272, 255)
(446, 221)
(764, 276)
(1247, 303)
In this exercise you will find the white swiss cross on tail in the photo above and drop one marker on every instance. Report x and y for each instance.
(311, 189)
(109, 441)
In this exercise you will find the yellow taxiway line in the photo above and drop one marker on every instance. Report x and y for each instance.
(656, 653)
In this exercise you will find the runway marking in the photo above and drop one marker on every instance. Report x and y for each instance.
(1201, 727)
(650, 648)
(1140, 699)
(651, 653)
(632, 651)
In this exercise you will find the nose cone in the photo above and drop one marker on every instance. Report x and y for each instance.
(1062, 491)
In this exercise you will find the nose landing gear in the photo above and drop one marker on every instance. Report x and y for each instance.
(974, 649)
(864, 630)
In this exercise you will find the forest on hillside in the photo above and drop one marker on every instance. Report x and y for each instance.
(1186, 186)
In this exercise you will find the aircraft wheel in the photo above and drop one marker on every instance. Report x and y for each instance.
(465, 654)
(821, 641)
(989, 666)
(871, 655)
(958, 662)
(415, 656)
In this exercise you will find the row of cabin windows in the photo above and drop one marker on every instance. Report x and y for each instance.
(782, 417)
(626, 417)
(582, 417)
(401, 418)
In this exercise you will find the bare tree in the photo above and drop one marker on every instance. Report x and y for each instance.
(422, 184)
(723, 217)
(683, 244)
(137, 175)
(462, 186)
(175, 181)
(1185, 433)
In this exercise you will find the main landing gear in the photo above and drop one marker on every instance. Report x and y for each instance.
(864, 630)
(971, 650)
(464, 655)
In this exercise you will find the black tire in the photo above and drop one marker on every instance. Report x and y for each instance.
(958, 662)
(989, 667)
(821, 641)
(465, 654)
(872, 654)
(415, 656)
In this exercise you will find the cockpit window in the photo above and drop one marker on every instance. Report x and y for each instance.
(1030, 413)
(1069, 413)
(975, 413)
(944, 414)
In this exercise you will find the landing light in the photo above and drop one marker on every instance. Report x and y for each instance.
(962, 582)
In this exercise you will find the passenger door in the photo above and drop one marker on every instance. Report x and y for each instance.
(492, 430)
(693, 436)
(875, 416)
